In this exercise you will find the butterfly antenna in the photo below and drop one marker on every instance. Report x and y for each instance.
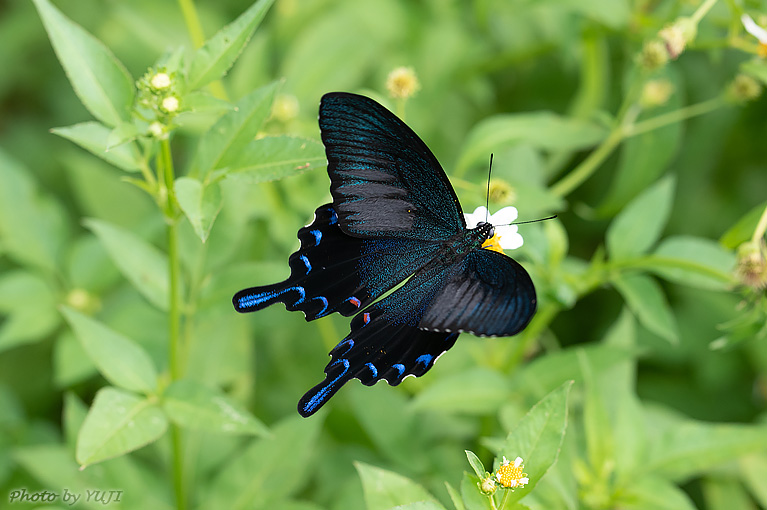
(533, 221)
(487, 195)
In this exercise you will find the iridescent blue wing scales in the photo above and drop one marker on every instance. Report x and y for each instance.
(334, 272)
(385, 182)
(385, 341)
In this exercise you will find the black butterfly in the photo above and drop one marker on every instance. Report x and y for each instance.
(394, 217)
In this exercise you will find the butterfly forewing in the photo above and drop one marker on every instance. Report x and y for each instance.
(385, 182)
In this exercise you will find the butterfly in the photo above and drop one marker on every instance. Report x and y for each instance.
(394, 217)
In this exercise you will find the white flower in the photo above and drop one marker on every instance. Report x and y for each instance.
(510, 475)
(506, 235)
(752, 28)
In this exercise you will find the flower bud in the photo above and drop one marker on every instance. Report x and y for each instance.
(653, 56)
(170, 104)
(402, 83)
(160, 81)
(656, 93)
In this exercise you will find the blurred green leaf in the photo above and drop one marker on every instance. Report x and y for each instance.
(27, 309)
(100, 80)
(612, 13)
(692, 448)
(32, 226)
(71, 364)
(195, 406)
(201, 203)
(268, 469)
(757, 68)
(475, 391)
(537, 438)
(645, 298)
(94, 137)
(754, 469)
(645, 157)
(233, 132)
(124, 132)
(120, 360)
(455, 497)
(142, 264)
(118, 422)
(275, 157)
(694, 261)
(73, 416)
(544, 130)
(640, 224)
(385, 489)
(726, 492)
(216, 56)
(744, 228)
(654, 492)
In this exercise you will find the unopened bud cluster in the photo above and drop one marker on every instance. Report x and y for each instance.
(158, 100)
(668, 45)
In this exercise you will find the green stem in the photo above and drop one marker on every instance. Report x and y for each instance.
(702, 11)
(761, 227)
(589, 165)
(679, 115)
(165, 170)
(192, 20)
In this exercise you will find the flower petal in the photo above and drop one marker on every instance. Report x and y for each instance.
(504, 216)
(479, 214)
(752, 28)
(510, 238)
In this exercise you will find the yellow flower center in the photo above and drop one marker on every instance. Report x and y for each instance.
(494, 243)
(509, 476)
(762, 51)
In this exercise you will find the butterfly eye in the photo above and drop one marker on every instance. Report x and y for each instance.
(490, 229)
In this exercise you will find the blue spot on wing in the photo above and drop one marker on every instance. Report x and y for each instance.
(261, 299)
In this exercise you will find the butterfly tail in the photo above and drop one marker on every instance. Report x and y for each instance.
(256, 298)
(337, 374)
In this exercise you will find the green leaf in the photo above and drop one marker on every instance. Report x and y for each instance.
(754, 469)
(474, 391)
(120, 360)
(275, 157)
(693, 261)
(653, 492)
(233, 131)
(544, 130)
(455, 497)
(32, 225)
(124, 132)
(100, 80)
(689, 449)
(743, 228)
(645, 298)
(384, 489)
(538, 436)
(142, 264)
(216, 56)
(726, 492)
(645, 157)
(640, 223)
(195, 406)
(476, 464)
(27, 309)
(472, 496)
(117, 423)
(73, 416)
(268, 469)
(757, 68)
(200, 203)
(94, 137)
(71, 363)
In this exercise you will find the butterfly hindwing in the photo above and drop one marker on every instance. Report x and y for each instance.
(385, 182)
(334, 272)
(385, 341)
(489, 294)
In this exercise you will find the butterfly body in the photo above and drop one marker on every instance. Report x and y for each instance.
(394, 218)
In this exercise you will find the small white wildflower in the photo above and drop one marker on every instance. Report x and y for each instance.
(506, 236)
(510, 474)
(156, 129)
